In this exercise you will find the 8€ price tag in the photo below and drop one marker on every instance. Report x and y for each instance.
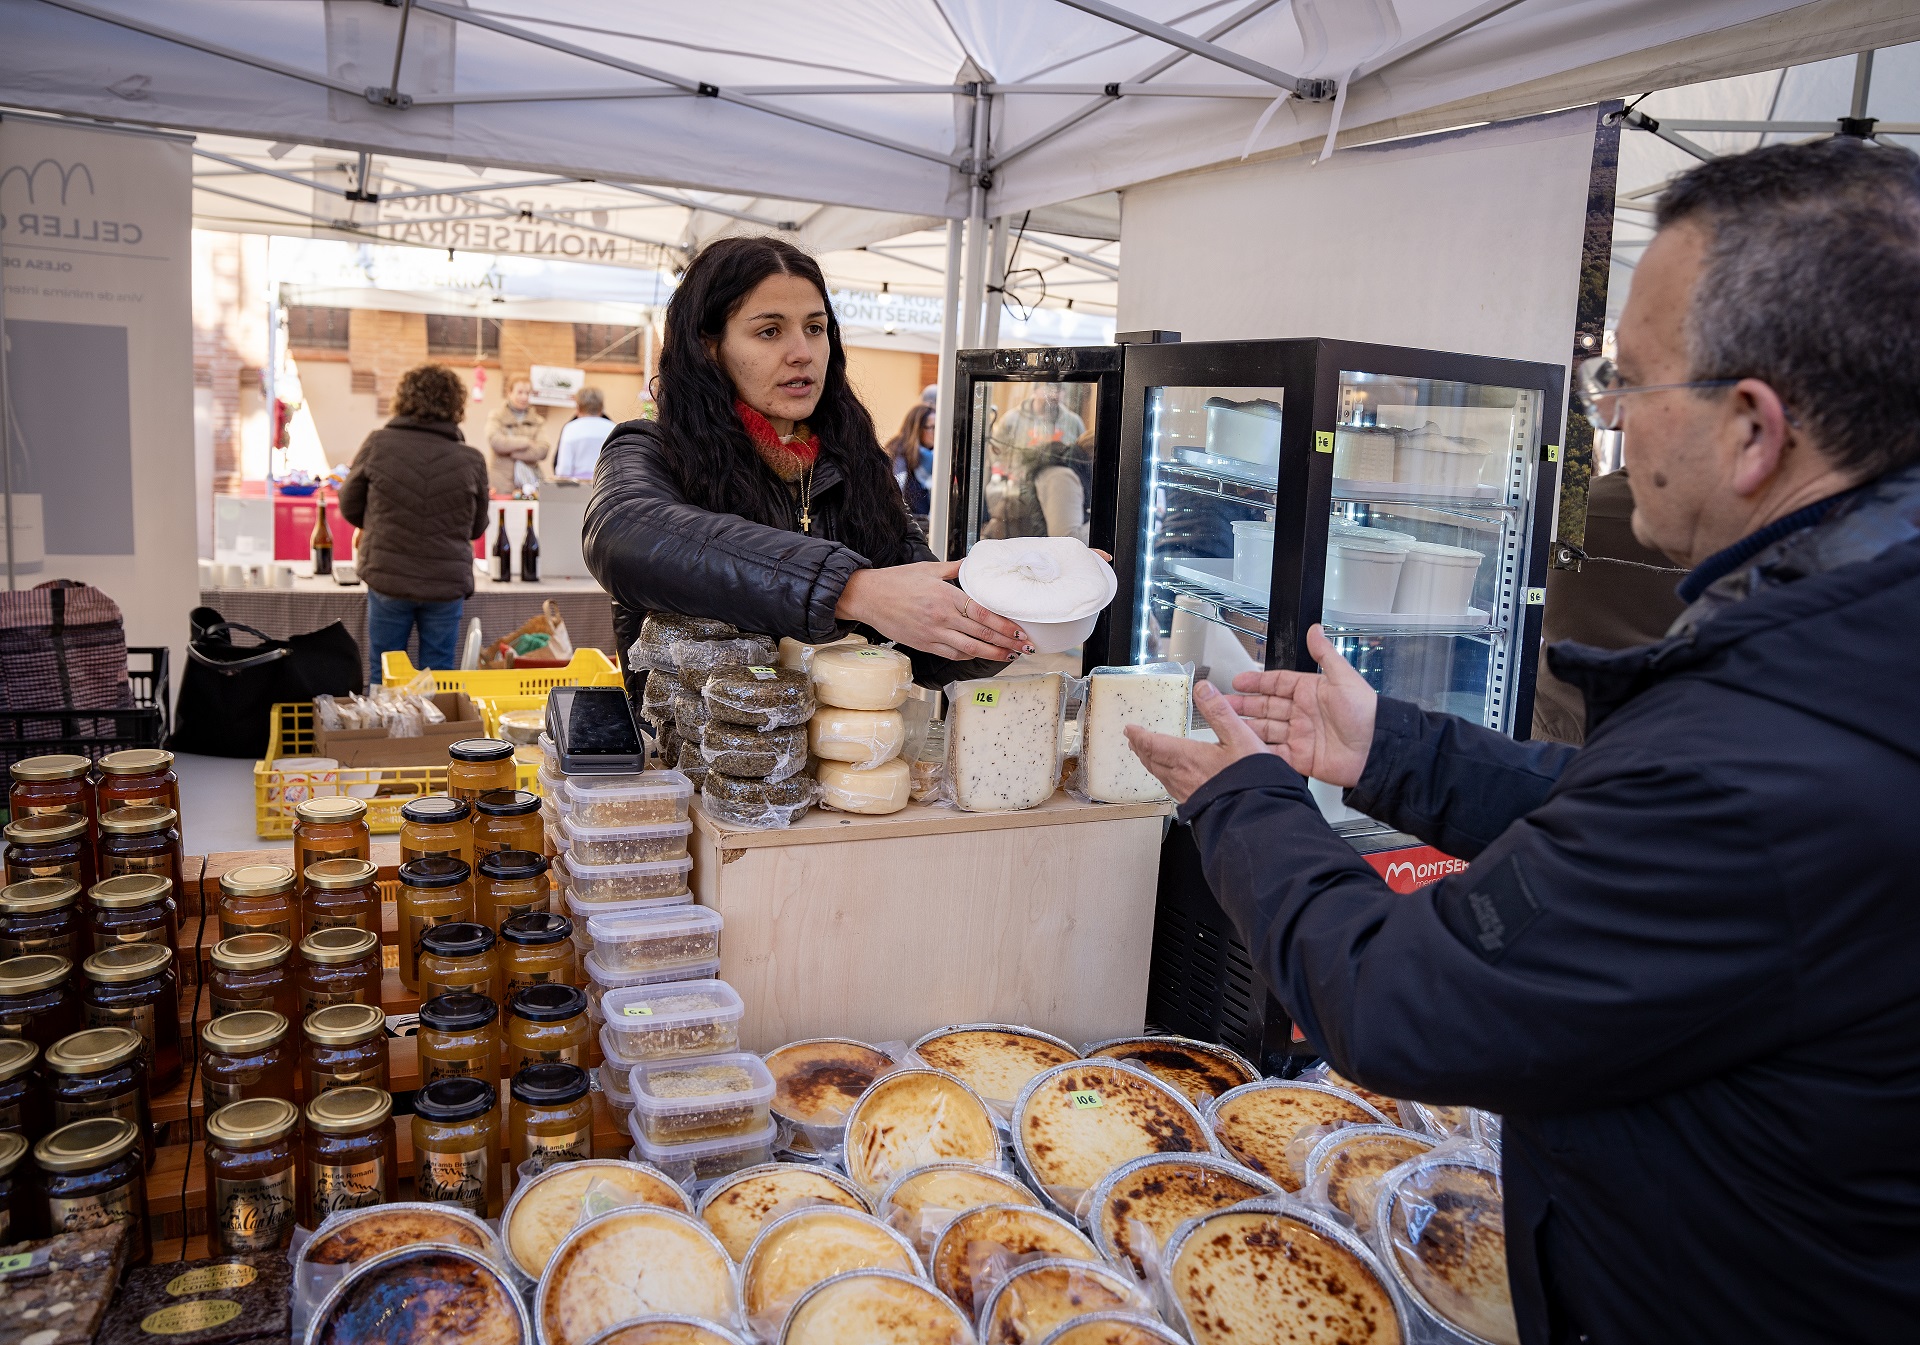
(1085, 1098)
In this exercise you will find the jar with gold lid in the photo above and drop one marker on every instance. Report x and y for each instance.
(549, 1118)
(101, 1072)
(546, 1023)
(507, 819)
(252, 1163)
(535, 948)
(56, 783)
(459, 1038)
(456, 1143)
(333, 826)
(510, 883)
(457, 956)
(245, 1055)
(340, 892)
(340, 965)
(23, 1088)
(94, 1175)
(132, 985)
(436, 825)
(476, 765)
(19, 1220)
(253, 971)
(37, 1001)
(142, 839)
(49, 845)
(42, 915)
(258, 899)
(133, 908)
(344, 1046)
(435, 891)
(138, 777)
(350, 1153)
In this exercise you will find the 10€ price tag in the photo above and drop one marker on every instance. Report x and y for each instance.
(1085, 1098)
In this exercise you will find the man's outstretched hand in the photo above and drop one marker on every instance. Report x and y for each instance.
(1320, 723)
(1184, 764)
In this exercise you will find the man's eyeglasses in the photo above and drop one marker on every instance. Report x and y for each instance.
(1599, 385)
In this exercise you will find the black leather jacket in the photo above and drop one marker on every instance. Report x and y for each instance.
(653, 549)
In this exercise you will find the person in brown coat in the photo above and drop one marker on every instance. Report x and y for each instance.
(418, 493)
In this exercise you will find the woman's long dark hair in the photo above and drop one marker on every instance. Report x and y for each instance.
(713, 459)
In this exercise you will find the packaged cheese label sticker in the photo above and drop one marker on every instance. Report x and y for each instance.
(182, 1318)
(207, 1278)
(639, 1011)
(871, 653)
(1085, 1098)
(23, 1261)
(987, 697)
(761, 674)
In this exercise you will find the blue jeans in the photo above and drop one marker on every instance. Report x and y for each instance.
(391, 620)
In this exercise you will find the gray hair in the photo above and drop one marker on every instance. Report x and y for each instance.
(1812, 284)
(590, 401)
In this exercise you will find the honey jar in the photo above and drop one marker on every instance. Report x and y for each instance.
(546, 1023)
(42, 915)
(136, 778)
(259, 899)
(49, 845)
(549, 1118)
(245, 1055)
(132, 985)
(51, 784)
(101, 1072)
(476, 765)
(340, 965)
(345, 1047)
(23, 1091)
(333, 826)
(18, 1219)
(436, 825)
(37, 1000)
(340, 892)
(351, 1162)
(253, 971)
(133, 908)
(433, 892)
(142, 839)
(252, 1161)
(510, 883)
(535, 948)
(457, 956)
(94, 1175)
(456, 1143)
(459, 1038)
(507, 819)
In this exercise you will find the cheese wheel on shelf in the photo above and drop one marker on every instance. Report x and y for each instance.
(861, 679)
(863, 737)
(884, 789)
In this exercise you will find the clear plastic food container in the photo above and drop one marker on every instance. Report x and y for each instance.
(553, 784)
(650, 797)
(609, 884)
(711, 1097)
(615, 1084)
(647, 844)
(697, 1163)
(644, 940)
(600, 980)
(673, 1019)
(583, 911)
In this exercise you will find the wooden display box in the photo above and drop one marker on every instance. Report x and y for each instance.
(884, 928)
(372, 747)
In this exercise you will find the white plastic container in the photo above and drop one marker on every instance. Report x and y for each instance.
(625, 885)
(1436, 580)
(656, 940)
(1249, 431)
(673, 1019)
(681, 1101)
(1363, 567)
(1363, 454)
(1253, 553)
(697, 1165)
(1035, 580)
(583, 911)
(601, 979)
(1425, 457)
(645, 799)
(615, 1083)
(647, 843)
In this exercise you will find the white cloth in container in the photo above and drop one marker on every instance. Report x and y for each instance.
(1037, 578)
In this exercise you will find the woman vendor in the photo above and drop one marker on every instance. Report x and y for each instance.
(761, 495)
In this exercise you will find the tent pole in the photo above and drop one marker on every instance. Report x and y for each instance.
(1862, 81)
(995, 278)
(944, 412)
(975, 295)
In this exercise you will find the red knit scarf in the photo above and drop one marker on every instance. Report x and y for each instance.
(789, 457)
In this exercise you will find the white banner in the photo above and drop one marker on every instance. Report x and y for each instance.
(97, 306)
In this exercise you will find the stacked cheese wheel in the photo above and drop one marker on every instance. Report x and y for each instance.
(857, 732)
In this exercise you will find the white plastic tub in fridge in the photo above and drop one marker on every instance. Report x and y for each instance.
(1436, 580)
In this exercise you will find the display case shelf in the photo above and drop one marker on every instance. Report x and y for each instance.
(1234, 614)
(1482, 631)
(1183, 477)
(1392, 492)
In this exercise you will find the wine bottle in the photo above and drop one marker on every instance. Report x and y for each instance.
(502, 553)
(321, 542)
(530, 553)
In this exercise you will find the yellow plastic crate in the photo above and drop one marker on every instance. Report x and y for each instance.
(491, 708)
(276, 790)
(587, 668)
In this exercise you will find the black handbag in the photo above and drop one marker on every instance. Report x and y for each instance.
(228, 690)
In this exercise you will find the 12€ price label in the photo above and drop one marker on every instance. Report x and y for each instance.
(988, 696)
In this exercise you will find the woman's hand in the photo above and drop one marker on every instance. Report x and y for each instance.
(1321, 723)
(917, 606)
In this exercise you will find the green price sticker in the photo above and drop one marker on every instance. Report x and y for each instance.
(1536, 597)
(1323, 441)
(761, 674)
(872, 653)
(19, 1261)
(1553, 452)
(639, 1011)
(1086, 1098)
(989, 697)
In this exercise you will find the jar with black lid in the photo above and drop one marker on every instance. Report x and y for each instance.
(432, 892)
(340, 965)
(510, 883)
(457, 956)
(253, 971)
(133, 908)
(23, 1088)
(101, 1072)
(436, 825)
(507, 819)
(253, 1191)
(18, 1218)
(546, 1023)
(549, 1118)
(535, 948)
(42, 915)
(49, 845)
(245, 1055)
(456, 1143)
(95, 1176)
(145, 839)
(476, 765)
(139, 776)
(56, 783)
(132, 985)
(351, 1162)
(340, 892)
(37, 1000)
(459, 1038)
(259, 899)
(344, 1046)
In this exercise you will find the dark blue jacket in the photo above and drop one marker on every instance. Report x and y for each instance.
(1684, 962)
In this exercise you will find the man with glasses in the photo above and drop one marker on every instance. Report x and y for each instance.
(1684, 961)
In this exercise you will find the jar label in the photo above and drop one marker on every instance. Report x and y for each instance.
(102, 938)
(230, 927)
(22, 945)
(206, 1279)
(219, 1092)
(417, 927)
(433, 1067)
(349, 1186)
(45, 810)
(125, 1104)
(20, 869)
(139, 1017)
(452, 1178)
(75, 1213)
(250, 1214)
(320, 1081)
(323, 919)
(320, 999)
(544, 1151)
(177, 1319)
(223, 1004)
(160, 800)
(114, 866)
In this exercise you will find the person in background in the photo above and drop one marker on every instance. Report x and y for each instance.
(581, 437)
(418, 494)
(912, 453)
(930, 394)
(1040, 467)
(516, 434)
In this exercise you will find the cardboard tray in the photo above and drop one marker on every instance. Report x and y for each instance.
(372, 747)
